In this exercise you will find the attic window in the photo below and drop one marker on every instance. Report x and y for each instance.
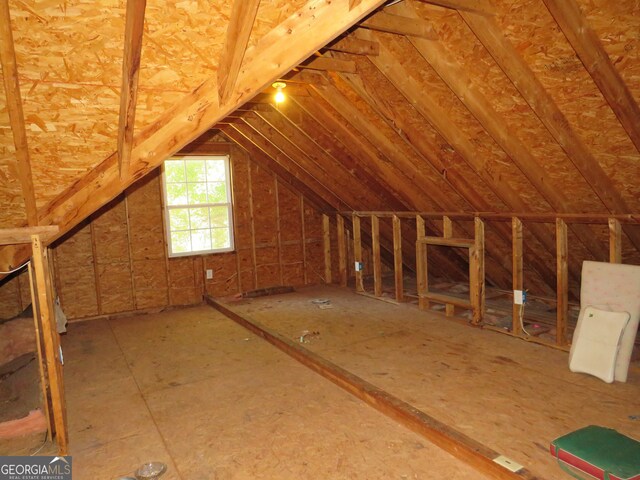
(197, 199)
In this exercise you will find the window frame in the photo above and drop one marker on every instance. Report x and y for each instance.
(229, 204)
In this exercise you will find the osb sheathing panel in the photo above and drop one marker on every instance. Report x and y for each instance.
(246, 269)
(293, 274)
(511, 108)
(150, 281)
(110, 237)
(225, 274)
(264, 206)
(144, 209)
(116, 290)
(10, 301)
(531, 28)
(267, 266)
(241, 200)
(492, 157)
(290, 217)
(454, 164)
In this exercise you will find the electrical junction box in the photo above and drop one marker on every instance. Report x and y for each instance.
(359, 266)
(209, 274)
(519, 297)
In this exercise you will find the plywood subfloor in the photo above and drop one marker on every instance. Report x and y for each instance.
(510, 395)
(196, 391)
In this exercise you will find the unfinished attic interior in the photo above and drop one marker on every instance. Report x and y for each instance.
(422, 260)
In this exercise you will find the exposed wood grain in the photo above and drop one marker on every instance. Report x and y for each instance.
(589, 48)
(357, 253)
(400, 25)
(476, 273)
(447, 232)
(342, 251)
(354, 3)
(12, 236)
(397, 259)
(377, 266)
(456, 443)
(518, 279)
(541, 102)
(326, 243)
(421, 264)
(615, 241)
(329, 65)
(133, 33)
(16, 115)
(447, 242)
(51, 340)
(562, 289)
(350, 44)
(243, 15)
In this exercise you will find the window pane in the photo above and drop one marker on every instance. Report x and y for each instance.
(201, 240)
(220, 238)
(199, 217)
(219, 216)
(176, 194)
(196, 171)
(215, 170)
(174, 170)
(179, 219)
(217, 192)
(197, 193)
(180, 242)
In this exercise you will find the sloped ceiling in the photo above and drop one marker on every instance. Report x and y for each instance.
(502, 106)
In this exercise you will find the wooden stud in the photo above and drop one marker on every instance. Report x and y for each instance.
(562, 282)
(387, 22)
(397, 259)
(595, 59)
(94, 263)
(421, 264)
(279, 230)
(357, 253)
(42, 361)
(350, 255)
(133, 33)
(254, 258)
(130, 252)
(304, 242)
(518, 278)
(51, 342)
(615, 241)
(447, 232)
(476, 272)
(377, 266)
(243, 15)
(16, 114)
(326, 242)
(342, 251)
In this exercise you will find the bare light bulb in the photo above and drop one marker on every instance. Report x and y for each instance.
(279, 98)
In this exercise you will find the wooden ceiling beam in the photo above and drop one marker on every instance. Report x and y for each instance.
(546, 109)
(400, 25)
(355, 46)
(415, 136)
(264, 160)
(453, 74)
(591, 52)
(243, 16)
(329, 65)
(16, 115)
(483, 7)
(133, 33)
(402, 79)
(22, 235)
(297, 37)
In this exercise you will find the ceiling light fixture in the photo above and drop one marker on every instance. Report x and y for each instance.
(279, 97)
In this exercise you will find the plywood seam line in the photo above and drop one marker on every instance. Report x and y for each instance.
(16, 114)
(277, 52)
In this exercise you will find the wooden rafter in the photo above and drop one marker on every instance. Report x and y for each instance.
(16, 115)
(453, 74)
(329, 65)
(243, 15)
(350, 44)
(541, 102)
(297, 37)
(484, 7)
(589, 48)
(133, 33)
(401, 25)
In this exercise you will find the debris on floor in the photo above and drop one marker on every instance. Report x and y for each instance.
(307, 337)
(263, 292)
(322, 303)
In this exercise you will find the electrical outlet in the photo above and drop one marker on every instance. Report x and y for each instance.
(209, 274)
(508, 463)
(359, 266)
(518, 297)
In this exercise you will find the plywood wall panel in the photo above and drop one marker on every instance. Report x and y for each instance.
(116, 290)
(10, 302)
(150, 280)
(264, 206)
(77, 291)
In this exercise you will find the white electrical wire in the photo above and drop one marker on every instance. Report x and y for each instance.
(522, 320)
(16, 269)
